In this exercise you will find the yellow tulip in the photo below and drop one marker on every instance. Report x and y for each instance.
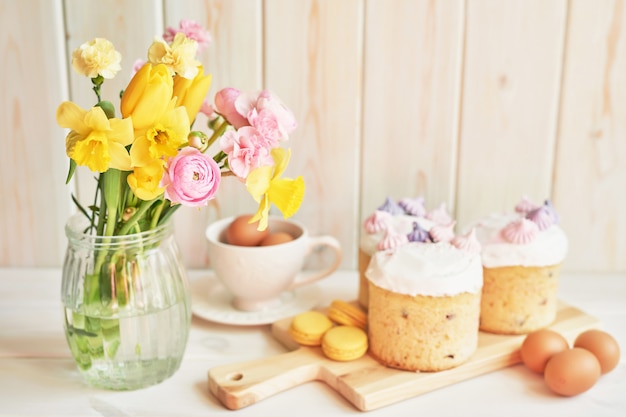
(95, 141)
(144, 181)
(160, 128)
(265, 186)
(147, 96)
(191, 93)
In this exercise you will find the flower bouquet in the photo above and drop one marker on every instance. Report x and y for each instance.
(124, 286)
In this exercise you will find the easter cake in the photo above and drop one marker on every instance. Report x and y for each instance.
(521, 254)
(424, 301)
(406, 216)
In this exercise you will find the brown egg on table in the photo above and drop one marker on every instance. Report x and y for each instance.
(602, 345)
(242, 233)
(572, 372)
(539, 346)
(276, 239)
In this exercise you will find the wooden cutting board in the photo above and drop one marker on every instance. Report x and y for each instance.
(366, 383)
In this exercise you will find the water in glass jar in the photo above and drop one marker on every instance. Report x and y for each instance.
(128, 352)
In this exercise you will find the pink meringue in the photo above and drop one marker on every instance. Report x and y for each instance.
(520, 231)
(442, 233)
(392, 240)
(377, 222)
(525, 206)
(467, 242)
(541, 217)
(439, 215)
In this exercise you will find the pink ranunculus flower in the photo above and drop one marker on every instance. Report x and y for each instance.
(225, 104)
(285, 117)
(266, 124)
(192, 30)
(246, 149)
(191, 178)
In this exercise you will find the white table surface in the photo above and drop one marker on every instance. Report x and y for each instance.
(38, 377)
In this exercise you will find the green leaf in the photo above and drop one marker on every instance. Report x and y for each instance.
(70, 173)
(167, 213)
(80, 207)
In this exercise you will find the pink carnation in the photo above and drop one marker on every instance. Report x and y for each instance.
(270, 102)
(247, 150)
(266, 124)
(191, 178)
(192, 30)
(241, 109)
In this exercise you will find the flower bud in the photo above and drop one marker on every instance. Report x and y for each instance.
(198, 140)
(191, 92)
(128, 213)
(147, 95)
(108, 108)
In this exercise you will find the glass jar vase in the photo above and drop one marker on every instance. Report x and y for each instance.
(127, 306)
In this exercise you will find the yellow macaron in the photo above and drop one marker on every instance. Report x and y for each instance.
(344, 343)
(344, 313)
(308, 328)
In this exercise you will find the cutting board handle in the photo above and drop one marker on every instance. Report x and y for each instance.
(242, 384)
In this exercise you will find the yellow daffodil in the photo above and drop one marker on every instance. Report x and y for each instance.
(191, 93)
(162, 139)
(265, 186)
(144, 181)
(95, 141)
(179, 57)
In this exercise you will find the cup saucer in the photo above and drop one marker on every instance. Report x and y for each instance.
(212, 301)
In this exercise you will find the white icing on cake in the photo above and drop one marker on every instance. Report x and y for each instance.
(549, 247)
(430, 269)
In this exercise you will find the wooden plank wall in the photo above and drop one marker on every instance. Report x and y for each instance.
(471, 103)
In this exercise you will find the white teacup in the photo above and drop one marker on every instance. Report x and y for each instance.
(256, 276)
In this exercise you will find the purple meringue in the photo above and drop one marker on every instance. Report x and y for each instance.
(391, 207)
(419, 234)
(413, 206)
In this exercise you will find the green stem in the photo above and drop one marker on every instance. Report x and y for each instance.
(110, 183)
(102, 210)
(112, 194)
(97, 84)
(141, 210)
(217, 133)
(157, 214)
